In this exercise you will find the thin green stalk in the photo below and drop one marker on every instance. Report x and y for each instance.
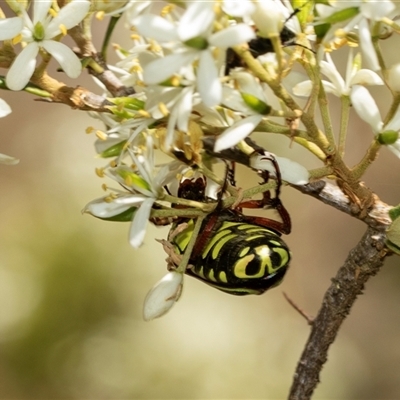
(110, 29)
(188, 251)
(344, 122)
(358, 170)
(393, 108)
(326, 117)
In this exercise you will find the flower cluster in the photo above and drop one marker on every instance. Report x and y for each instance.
(213, 72)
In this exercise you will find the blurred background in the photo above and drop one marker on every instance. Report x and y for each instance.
(72, 289)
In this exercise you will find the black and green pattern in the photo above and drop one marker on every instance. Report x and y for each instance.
(237, 257)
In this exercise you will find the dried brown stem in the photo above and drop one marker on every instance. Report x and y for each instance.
(363, 262)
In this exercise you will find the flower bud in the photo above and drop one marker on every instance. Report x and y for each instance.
(388, 137)
(163, 296)
(268, 18)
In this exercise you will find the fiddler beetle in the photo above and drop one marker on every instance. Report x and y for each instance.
(235, 253)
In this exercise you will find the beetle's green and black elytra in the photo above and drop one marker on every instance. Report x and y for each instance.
(238, 258)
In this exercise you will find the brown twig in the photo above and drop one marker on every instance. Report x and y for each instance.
(363, 262)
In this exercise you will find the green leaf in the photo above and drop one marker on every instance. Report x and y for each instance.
(342, 15)
(113, 151)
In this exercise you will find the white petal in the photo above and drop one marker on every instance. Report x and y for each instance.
(394, 123)
(163, 296)
(185, 108)
(163, 68)
(238, 8)
(395, 148)
(156, 27)
(196, 20)
(65, 56)
(103, 209)
(40, 10)
(370, 59)
(233, 135)
(376, 10)
(268, 18)
(249, 85)
(366, 77)
(302, 89)
(8, 160)
(69, 16)
(232, 36)
(331, 88)
(366, 108)
(139, 224)
(208, 83)
(5, 109)
(393, 78)
(291, 171)
(22, 68)
(10, 27)
(330, 71)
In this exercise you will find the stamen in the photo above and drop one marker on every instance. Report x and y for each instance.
(100, 172)
(101, 135)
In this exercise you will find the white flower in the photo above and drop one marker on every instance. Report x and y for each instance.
(367, 11)
(239, 100)
(192, 39)
(177, 102)
(144, 186)
(367, 109)
(38, 33)
(336, 84)
(163, 296)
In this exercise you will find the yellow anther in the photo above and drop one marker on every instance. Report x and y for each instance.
(100, 15)
(53, 12)
(175, 81)
(104, 187)
(17, 39)
(63, 29)
(154, 46)
(135, 36)
(163, 108)
(101, 135)
(113, 164)
(100, 172)
(144, 113)
(167, 10)
(108, 199)
(89, 129)
(128, 180)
